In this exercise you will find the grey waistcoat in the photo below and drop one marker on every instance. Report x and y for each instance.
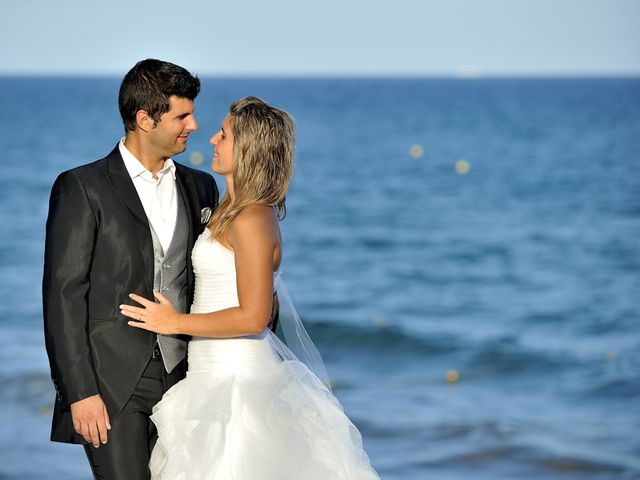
(170, 279)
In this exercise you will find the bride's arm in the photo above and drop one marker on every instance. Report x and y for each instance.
(254, 237)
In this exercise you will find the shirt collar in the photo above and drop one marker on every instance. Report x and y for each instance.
(135, 168)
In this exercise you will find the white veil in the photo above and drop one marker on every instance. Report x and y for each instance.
(295, 343)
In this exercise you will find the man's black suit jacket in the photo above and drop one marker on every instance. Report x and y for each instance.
(98, 250)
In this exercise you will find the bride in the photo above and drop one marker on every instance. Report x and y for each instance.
(249, 408)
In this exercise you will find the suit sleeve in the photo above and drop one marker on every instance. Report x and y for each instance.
(69, 245)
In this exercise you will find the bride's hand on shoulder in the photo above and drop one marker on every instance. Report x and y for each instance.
(156, 317)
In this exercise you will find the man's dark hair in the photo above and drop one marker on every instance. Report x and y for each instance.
(148, 86)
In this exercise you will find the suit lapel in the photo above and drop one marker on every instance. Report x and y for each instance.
(128, 196)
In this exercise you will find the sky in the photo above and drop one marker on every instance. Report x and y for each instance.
(323, 37)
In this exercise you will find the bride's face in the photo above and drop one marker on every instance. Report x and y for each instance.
(222, 141)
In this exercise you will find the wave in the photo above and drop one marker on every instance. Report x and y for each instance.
(466, 449)
(506, 355)
(529, 460)
(478, 357)
(378, 339)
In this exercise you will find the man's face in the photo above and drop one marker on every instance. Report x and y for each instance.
(169, 136)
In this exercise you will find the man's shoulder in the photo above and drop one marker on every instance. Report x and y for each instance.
(88, 177)
(85, 170)
(89, 169)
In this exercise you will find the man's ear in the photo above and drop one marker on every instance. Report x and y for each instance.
(143, 121)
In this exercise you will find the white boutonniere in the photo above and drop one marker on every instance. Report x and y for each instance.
(205, 215)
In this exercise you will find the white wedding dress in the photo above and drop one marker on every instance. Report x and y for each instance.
(244, 413)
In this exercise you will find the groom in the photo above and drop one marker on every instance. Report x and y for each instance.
(126, 223)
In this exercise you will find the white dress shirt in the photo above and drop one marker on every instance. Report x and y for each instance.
(158, 195)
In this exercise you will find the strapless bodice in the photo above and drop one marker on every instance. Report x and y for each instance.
(215, 275)
(215, 289)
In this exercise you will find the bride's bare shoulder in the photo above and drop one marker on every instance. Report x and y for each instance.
(254, 221)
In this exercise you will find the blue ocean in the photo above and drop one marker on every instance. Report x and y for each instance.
(464, 252)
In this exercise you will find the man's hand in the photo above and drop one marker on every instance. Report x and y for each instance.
(91, 420)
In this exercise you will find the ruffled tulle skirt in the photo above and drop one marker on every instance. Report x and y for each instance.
(243, 413)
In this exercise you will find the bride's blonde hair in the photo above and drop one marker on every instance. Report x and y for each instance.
(263, 144)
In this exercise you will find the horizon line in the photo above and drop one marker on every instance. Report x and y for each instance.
(346, 75)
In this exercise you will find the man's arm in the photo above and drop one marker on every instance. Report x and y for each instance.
(68, 256)
(69, 248)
